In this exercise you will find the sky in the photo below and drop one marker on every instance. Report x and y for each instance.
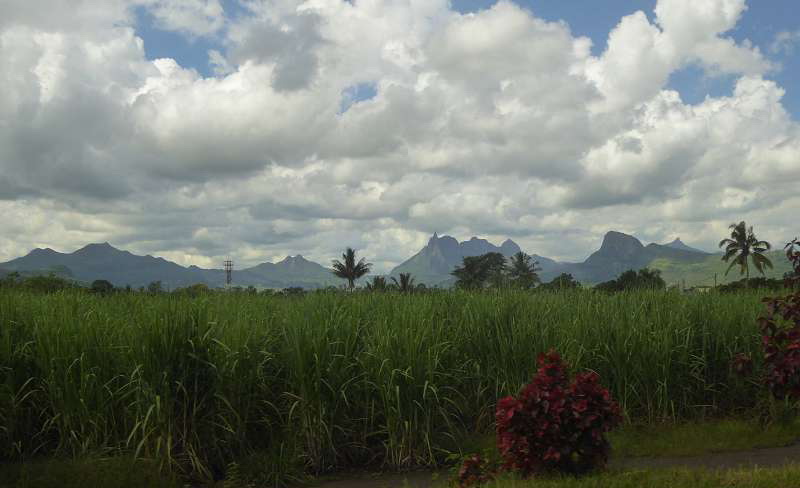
(200, 130)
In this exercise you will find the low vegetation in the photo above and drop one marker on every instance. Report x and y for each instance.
(330, 380)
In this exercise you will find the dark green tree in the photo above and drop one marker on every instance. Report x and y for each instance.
(378, 283)
(742, 247)
(644, 279)
(102, 287)
(11, 279)
(155, 287)
(564, 281)
(349, 269)
(405, 284)
(476, 272)
(522, 271)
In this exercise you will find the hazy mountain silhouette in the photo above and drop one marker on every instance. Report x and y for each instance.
(434, 262)
(432, 265)
(678, 244)
(618, 252)
(103, 261)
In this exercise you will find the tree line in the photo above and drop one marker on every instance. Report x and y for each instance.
(487, 271)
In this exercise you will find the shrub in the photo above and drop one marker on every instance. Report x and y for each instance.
(644, 279)
(555, 424)
(102, 287)
(780, 329)
(474, 471)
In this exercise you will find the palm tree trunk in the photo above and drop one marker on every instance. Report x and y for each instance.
(746, 274)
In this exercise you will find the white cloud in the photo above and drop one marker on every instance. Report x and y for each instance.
(785, 42)
(193, 17)
(495, 123)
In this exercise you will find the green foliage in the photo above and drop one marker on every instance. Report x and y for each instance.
(477, 272)
(760, 283)
(339, 380)
(751, 477)
(349, 269)
(378, 283)
(196, 290)
(562, 282)
(522, 271)
(405, 284)
(102, 287)
(742, 245)
(644, 279)
(46, 284)
(155, 287)
(87, 472)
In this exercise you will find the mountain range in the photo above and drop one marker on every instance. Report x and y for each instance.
(103, 261)
(432, 265)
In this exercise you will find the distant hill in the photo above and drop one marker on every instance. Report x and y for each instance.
(678, 244)
(292, 271)
(434, 262)
(618, 252)
(432, 265)
(104, 261)
(701, 273)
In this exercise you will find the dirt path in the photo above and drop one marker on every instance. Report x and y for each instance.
(767, 457)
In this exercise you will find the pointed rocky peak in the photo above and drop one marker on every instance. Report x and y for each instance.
(476, 247)
(103, 248)
(42, 252)
(443, 244)
(293, 260)
(509, 248)
(679, 244)
(620, 245)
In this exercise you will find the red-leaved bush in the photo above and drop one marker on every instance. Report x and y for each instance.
(780, 329)
(474, 471)
(556, 424)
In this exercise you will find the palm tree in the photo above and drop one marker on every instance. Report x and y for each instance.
(522, 272)
(349, 269)
(743, 244)
(378, 283)
(406, 283)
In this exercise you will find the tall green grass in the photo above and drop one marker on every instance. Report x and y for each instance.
(327, 381)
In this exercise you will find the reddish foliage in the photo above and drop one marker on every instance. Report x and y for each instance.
(555, 424)
(742, 364)
(474, 471)
(780, 329)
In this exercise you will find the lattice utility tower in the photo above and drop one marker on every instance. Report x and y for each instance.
(228, 272)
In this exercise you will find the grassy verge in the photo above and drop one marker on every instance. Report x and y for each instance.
(678, 439)
(83, 473)
(697, 438)
(665, 440)
(669, 478)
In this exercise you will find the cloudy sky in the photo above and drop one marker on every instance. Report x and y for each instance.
(252, 129)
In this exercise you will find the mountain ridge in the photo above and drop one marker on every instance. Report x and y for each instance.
(431, 265)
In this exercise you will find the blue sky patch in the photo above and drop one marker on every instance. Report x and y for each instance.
(357, 93)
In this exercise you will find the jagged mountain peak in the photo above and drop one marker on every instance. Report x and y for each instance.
(679, 244)
(94, 248)
(619, 242)
(509, 247)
